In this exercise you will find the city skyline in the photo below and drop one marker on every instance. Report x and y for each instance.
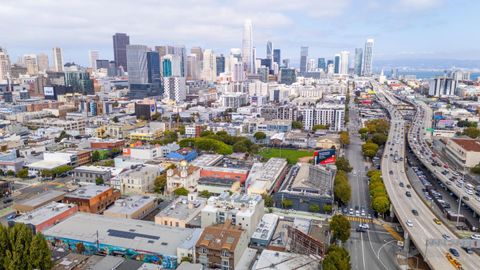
(323, 31)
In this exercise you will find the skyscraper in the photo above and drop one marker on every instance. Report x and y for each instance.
(137, 61)
(4, 64)
(358, 61)
(270, 53)
(193, 67)
(171, 66)
(336, 64)
(209, 72)
(247, 47)
(93, 56)
(153, 68)
(30, 61)
(57, 59)
(303, 59)
(277, 56)
(344, 62)
(321, 64)
(220, 64)
(368, 58)
(42, 61)
(120, 42)
(175, 88)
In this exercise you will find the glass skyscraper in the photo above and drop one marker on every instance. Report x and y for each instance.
(276, 56)
(220, 64)
(358, 61)
(337, 64)
(303, 59)
(321, 64)
(367, 58)
(120, 42)
(167, 67)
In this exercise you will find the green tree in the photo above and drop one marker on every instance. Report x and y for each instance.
(297, 125)
(343, 164)
(363, 130)
(109, 163)
(160, 183)
(260, 136)
(327, 208)
(95, 156)
(320, 127)
(240, 147)
(370, 149)
(286, 203)
(344, 138)
(180, 191)
(1, 172)
(23, 173)
(340, 227)
(379, 138)
(341, 188)
(181, 129)
(186, 259)
(268, 200)
(62, 136)
(99, 181)
(471, 132)
(39, 253)
(337, 258)
(381, 204)
(476, 169)
(115, 119)
(314, 208)
(205, 194)
(10, 173)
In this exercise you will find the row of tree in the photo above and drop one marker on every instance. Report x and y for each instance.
(378, 193)
(336, 258)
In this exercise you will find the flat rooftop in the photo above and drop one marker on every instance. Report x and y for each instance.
(42, 198)
(266, 227)
(207, 160)
(98, 169)
(276, 260)
(44, 213)
(130, 204)
(87, 191)
(183, 209)
(47, 164)
(125, 233)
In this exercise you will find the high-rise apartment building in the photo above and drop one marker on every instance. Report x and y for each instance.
(30, 62)
(332, 115)
(209, 72)
(4, 64)
(42, 61)
(336, 64)
(321, 64)
(193, 67)
(120, 42)
(270, 53)
(220, 64)
(303, 59)
(358, 61)
(247, 47)
(368, 58)
(174, 88)
(93, 56)
(171, 66)
(442, 86)
(277, 56)
(344, 62)
(57, 59)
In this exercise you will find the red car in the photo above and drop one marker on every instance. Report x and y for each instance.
(445, 166)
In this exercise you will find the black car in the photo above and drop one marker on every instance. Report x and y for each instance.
(401, 184)
(454, 252)
(7, 200)
(408, 194)
(414, 212)
(390, 172)
(468, 250)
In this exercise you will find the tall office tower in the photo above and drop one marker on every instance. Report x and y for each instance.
(329, 62)
(236, 53)
(303, 59)
(174, 88)
(344, 63)
(321, 64)
(209, 72)
(171, 66)
(220, 64)
(4, 64)
(57, 59)
(311, 65)
(276, 56)
(358, 61)
(238, 72)
(30, 62)
(442, 86)
(270, 52)
(93, 56)
(181, 52)
(42, 61)
(120, 42)
(336, 64)
(368, 58)
(198, 51)
(247, 47)
(255, 61)
(137, 63)
(193, 68)
(153, 69)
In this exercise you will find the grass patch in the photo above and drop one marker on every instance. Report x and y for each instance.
(291, 155)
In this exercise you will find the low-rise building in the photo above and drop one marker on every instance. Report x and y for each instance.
(138, 180)
(92, 198)
(221, 246)
(277, 260)
(181, 212)
(35, 168)
(89, 174)
(186, 153)
(206, 160)
(218, 172)
(107, 144)
(132, 207)
(266, 178)
(184, 175)
(218, 186)
(464, 152)
(263, 233)
(38, 200)
(46, 216)
(9, 161)
(149, 152)
(242, 209)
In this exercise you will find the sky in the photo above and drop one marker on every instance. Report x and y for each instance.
(402, 29)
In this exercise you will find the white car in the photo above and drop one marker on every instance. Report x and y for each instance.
(475, 236)
(364, 225)
(469, 191)
(409, 223)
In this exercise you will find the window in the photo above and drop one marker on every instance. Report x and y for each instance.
(225, 253)
(225, 264)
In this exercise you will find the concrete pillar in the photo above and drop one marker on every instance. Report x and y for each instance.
(392, 214)
(406, 242)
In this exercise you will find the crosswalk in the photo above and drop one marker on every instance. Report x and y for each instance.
(359, 219)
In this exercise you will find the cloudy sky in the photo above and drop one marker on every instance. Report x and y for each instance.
(402, 29)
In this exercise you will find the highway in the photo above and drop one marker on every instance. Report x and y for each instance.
(420, 227)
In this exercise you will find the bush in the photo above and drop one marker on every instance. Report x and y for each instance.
(315, 208)
(180, 191)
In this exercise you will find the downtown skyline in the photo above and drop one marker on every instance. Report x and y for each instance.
(325, 28)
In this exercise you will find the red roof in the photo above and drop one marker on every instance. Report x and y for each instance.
(470, 145)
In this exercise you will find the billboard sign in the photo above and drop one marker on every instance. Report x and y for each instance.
(48, 91)
(325, 156)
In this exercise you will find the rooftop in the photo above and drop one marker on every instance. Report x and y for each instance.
(88, 191)
(470, 145)
(276, 260)
(130, 204)
(44, 213)
(91, 168)
(207, 160)
(42, 198)
(125, 233)
(183, 209)
(266, 227)
(47, 164)
(221, 236)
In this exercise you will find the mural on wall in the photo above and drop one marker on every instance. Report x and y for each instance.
(88, 248)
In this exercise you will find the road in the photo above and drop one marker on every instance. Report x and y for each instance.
(375, 248)
(422, 226)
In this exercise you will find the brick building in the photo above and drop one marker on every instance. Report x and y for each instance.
(92, 199)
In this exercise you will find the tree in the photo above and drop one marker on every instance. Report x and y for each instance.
(471, 132)
(186, 259)
(99, 181)
(240, 147)
(379, 138)
(297, 125)
(95, 156)
(23, 173)
(62, 136)
(343, 164)
(327, 208)
(205, 194)
(259, 136)
(115, 119)
(181, 129)
(39, 253)
(370, 149)
(314, 208)
(320, 127)
(160, 183)
(180, 191)
(10, 173)
(268, 200)
(476, 169)
(286, 203)
(344, 138)
(341, 188)
(340, 227)
(363, 130)
(336, 258)
(381, 204)
(109, 163)
(2, 172)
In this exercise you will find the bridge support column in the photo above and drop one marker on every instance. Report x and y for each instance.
(406, 242)
(392, 214)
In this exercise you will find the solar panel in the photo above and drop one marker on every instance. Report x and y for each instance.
(130, 235)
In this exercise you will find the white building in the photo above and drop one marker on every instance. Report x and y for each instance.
(263, 176)
(57, 59)
(149, 152)
(4, 64)
(324, 114)
(184, 175)
(138, 180)
(175, 88)
(234, 100)
(93, 56)
(344, 55)
(209, 72)
(368, 58)
(243, 210)
(247, 47)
